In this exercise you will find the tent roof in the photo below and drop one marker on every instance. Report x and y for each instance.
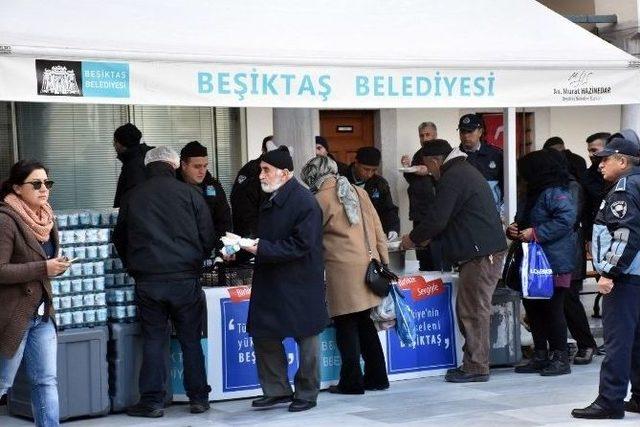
(409, 33)
(534, 55)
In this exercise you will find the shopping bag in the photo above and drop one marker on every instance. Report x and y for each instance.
(385, 311)
(536, 273)
(405, 325)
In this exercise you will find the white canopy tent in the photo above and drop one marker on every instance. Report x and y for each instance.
(320, 54)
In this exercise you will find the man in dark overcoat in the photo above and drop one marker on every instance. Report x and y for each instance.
(288, 292)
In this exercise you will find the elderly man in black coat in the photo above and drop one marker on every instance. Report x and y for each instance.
(288, 292)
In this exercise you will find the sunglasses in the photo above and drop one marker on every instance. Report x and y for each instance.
(38, 184)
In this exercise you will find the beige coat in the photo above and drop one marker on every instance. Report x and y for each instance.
(345, 251)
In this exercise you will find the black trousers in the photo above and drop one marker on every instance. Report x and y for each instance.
(621, 365)
(576, 317)
(546, 318)
(356, 336)
(183, 302)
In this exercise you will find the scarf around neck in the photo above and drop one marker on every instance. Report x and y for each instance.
(40, 222)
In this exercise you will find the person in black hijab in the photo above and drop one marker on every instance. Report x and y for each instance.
(547, 215)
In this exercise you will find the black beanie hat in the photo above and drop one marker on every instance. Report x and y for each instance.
(369, 156)
(193, 149)
(127, 135)
(321, 141)
(554, 140)
(279, 158)
(436, 147)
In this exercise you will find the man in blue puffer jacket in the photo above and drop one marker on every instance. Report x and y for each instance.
(616, 256)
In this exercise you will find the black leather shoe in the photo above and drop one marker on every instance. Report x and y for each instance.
(334, 389)
(584, 356)
(299, 405)
(460, 376)
(198, 407)
(597, 412)
(144, 410)
(267, 401)
(632, 405)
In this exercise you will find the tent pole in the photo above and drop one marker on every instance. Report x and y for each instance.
(510, 149)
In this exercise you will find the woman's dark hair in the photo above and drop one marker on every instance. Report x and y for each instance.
(17, 175)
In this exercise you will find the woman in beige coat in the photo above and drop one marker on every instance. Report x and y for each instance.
(345, 209)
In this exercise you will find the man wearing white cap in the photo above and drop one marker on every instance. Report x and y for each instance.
(163, 234)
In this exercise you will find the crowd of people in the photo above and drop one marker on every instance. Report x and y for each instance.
(311, 240)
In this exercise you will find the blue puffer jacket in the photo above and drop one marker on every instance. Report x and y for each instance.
(553, 218)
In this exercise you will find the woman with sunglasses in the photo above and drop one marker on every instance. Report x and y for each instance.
(28, 247)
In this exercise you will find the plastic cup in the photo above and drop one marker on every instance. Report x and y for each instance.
(92, 252)
(76, 286)
(80, 252)
(87, 285)
(98, 268)
(62, 220)
(73, 219)
(100, 299)
(89, 300)
(55, 303)
(65, 287)
(77, 301)
(98, 283)
(87, 268)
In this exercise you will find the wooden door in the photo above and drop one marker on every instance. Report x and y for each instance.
(346, 131)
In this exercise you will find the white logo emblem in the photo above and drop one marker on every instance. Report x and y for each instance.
(602, 205)
(492, 164)
(466, 120)
(58, 80)
(241, 179)
(619, 209)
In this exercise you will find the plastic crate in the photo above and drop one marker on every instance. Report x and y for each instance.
(82, 376)
(125, 361)
(226, 275)
(505, 328)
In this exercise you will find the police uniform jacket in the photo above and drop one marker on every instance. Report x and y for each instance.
(380, 194)
(246, 198)
(616, 231)
(488, 160)
(216, 199)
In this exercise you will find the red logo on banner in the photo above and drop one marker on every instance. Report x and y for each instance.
(406, 283)
(427, 289)
(240, 293)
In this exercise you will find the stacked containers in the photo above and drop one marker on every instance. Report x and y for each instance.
(79, 296)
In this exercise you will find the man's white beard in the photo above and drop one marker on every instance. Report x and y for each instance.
(274, 187)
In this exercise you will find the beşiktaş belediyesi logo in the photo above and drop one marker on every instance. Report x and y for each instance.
(82, 78)
(59, 78)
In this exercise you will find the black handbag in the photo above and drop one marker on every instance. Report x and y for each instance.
(378, 276)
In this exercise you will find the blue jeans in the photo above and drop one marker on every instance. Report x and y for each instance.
(39, 347)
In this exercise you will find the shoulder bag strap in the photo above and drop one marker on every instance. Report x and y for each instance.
(364, 227)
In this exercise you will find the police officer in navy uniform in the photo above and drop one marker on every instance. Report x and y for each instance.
(247, 196)
(487, 159)
(363, 173)
(193, 170)
(616, 243)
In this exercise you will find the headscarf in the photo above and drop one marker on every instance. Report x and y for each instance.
(321, 168)
(541, 170)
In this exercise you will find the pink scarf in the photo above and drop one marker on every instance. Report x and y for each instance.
(40, 221)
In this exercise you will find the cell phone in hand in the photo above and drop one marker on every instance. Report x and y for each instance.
(72, 260)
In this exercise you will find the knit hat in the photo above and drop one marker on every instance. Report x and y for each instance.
(321, 141)
(368, 156)
(127, 135)
(193, 149)
(436, 147)
(279, 158)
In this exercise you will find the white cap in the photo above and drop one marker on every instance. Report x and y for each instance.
(163, 154)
